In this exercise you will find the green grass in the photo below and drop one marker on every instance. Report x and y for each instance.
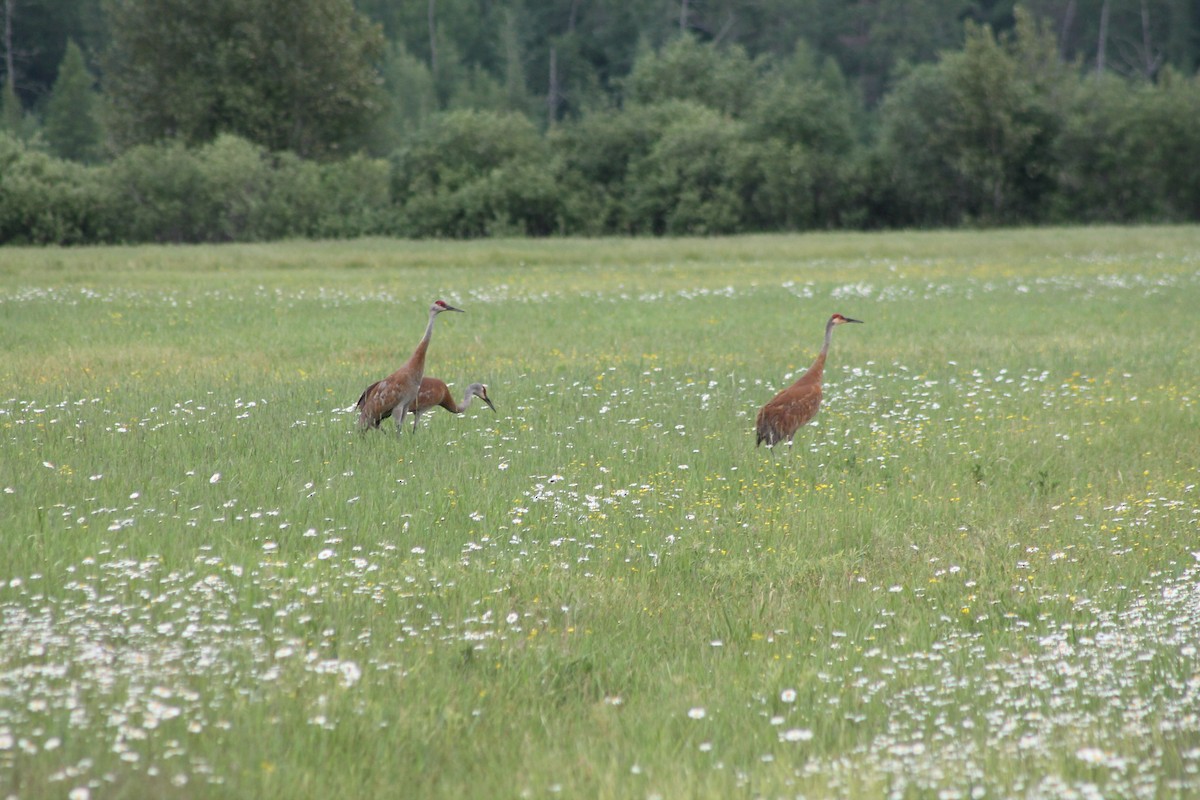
(973, 574)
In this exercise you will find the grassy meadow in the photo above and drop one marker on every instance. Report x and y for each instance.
(975, 576)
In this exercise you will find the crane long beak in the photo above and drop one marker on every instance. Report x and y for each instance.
(859, 321)
(489, 403)
(452, 308)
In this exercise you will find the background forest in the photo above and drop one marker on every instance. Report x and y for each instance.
(244, 120)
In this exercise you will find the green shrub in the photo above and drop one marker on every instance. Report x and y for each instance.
(475, 173)
(157, 195)
(596, 153)
(722, 78)
(1172, 142)
(45, 200)
(236, 177)
(692, 179)
(233, 190)
(354, 199)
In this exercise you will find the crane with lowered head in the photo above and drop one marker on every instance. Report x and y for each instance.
(434, 393)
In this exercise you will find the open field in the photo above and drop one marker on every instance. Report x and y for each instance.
(975, 576)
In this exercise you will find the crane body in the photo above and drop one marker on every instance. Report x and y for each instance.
(796, 405)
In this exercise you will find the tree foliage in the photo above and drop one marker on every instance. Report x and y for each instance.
(45, 200)
(474, 173)
(294, 75)
(685, 69)
(72, 125)
(969, 138)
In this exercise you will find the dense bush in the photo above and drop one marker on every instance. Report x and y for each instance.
(44, 200)
(232, 190)
(1104, 172)
(157, 195)
(690, 179)
(1172, 143)
(596, 154)
(353, 198)
(476, 173)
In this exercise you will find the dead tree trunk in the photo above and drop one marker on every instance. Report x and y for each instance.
(433, 65)
(1064, 37)
(552, 95)
(1150, 59)
(9, 73)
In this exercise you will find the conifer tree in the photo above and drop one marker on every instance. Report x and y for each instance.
(71, 127)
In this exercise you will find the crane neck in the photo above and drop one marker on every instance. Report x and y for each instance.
(828, 338)
(429, 328)
(466, 403)
(817, 369)
(418, 355)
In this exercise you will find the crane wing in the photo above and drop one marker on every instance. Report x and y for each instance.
(377, 402)
(362, 398)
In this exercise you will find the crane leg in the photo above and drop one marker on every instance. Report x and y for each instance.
(403, 412)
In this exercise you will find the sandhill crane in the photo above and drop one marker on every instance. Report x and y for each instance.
(797, 405)
(397, 393)
(435, 392)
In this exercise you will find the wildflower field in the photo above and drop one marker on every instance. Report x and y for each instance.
(974, 576)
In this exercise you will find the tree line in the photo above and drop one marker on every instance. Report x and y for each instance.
(242, 120)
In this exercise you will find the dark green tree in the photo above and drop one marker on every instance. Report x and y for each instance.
(516, 89)
(408, 100)
(294, 75)
(1171, 143)
(918, 179)
(71, 126)
(875, 39)
(1104, 171)
(722, 78)
(690, 181)
(598, 151)
(998, 130)
(969, 139)
(38, 31)
(805, 120)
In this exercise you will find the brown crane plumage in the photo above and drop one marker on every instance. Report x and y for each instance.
(397, 393)
(796, 405)
(434, 392)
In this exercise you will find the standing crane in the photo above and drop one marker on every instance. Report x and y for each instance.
(435, 392)
(397, 393)
(798, 404)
